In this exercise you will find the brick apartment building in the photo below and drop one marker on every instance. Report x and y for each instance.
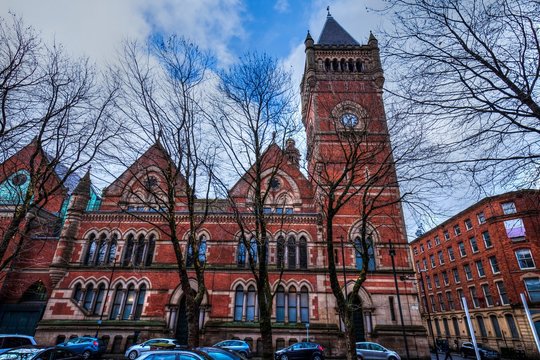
(107, 264)
(489, 253)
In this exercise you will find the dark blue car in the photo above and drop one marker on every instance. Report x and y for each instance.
(86, 346)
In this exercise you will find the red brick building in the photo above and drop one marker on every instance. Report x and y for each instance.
(111, 267)
(489, 253)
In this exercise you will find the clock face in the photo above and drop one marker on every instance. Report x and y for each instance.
(349, 120)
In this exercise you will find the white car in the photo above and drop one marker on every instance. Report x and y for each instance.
(373, 351)
(135, 351)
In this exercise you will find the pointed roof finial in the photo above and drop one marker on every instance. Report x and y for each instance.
(328, 9)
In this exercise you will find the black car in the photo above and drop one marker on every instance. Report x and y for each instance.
(467, 349)
(302, 350)
(40, 353)
(221, 354)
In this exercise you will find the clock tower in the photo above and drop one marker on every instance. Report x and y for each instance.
(349, 150)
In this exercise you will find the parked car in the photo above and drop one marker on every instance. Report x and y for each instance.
(221, 354)
(239, 346)
(467, 349)
(86, 346)
(12, 341)
(32, 352)
(136, 350)
(301, 350)
(175, 355)
(369, 350)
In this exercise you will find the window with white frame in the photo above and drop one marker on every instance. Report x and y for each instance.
(451, 255)
(503, 296)
(515, 230)
(508, 208)
(474, 244)
(436, 280)
(450, 300)
(446, 235)
(487, 295)
(533, 288)
(432, 260)
(455, 272)
(480, 268)
(494, 265)
(437, 240)
(445, 278)
(481, 218)
(468, 272)
(474, 297)
(487, 239)
(525, 259)
(441, 257)
(462, 251)
(429, 244)
(468, 224)
(457, 230)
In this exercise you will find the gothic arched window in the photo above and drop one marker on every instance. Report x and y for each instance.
(88, 297)
(139, 251)
(202, 249)
(128, 252)
(140, 302)
(102, 250)
(253, 249)
(238, 303)
(90, 250)
(150, 251)
(280, 252)
(291, 303)
(100, 295)
(117, 303)
(371, 253)
(302, 249)
(77, 293)
(291, 250)
(280, 304)
(112, 249)
(130, 300)
(250, 305)
(304, 305)
(241, 254)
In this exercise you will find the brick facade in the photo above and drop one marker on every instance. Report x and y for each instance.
(486, 240)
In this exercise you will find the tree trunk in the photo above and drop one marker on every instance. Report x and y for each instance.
(350, 336)
(192, 309)
(265, 325)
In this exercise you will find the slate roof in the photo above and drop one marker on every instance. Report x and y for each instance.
(334, 34)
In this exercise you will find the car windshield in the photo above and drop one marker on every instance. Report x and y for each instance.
(19, 354)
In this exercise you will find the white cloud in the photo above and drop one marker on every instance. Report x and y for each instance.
(281, 6)
(96, 28)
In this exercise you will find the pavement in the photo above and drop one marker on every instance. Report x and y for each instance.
(455, 356)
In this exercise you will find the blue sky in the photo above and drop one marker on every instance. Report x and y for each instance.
(227, 27)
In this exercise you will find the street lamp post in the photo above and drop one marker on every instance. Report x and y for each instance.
(392, 254)
(426, 306)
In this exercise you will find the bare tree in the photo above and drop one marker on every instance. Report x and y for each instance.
(162, 105)
(253, 114)
(63, 105)
(470, 70)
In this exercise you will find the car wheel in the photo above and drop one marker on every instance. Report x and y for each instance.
(360, 357)
(317, 357)
(132, 355)
(284, 357)
(86, 355)
(463, 355)
(392, 358)
(243, 353)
